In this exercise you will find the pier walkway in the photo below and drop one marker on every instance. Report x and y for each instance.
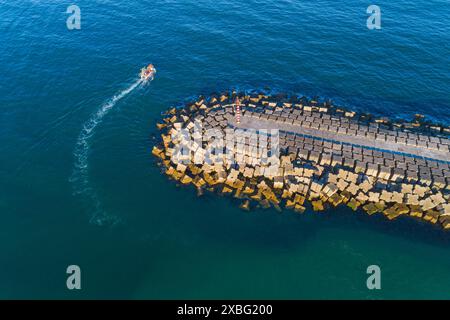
(249, 122)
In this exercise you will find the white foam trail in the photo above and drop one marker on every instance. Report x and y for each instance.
(80, 176)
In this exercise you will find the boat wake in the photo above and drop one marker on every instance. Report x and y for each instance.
(80, 175)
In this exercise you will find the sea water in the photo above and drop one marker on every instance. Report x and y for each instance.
(79, 186)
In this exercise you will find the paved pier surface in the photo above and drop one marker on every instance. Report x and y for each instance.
(248, 122)
(327, 138)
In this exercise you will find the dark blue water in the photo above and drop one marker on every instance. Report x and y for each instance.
(78, 184)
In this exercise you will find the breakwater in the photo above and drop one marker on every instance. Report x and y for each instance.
(282, 151)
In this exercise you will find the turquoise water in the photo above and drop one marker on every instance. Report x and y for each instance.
(78, 184)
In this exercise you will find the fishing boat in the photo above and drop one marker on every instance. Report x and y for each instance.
(148, 73)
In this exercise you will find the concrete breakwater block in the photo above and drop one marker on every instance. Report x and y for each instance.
(282, 151)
